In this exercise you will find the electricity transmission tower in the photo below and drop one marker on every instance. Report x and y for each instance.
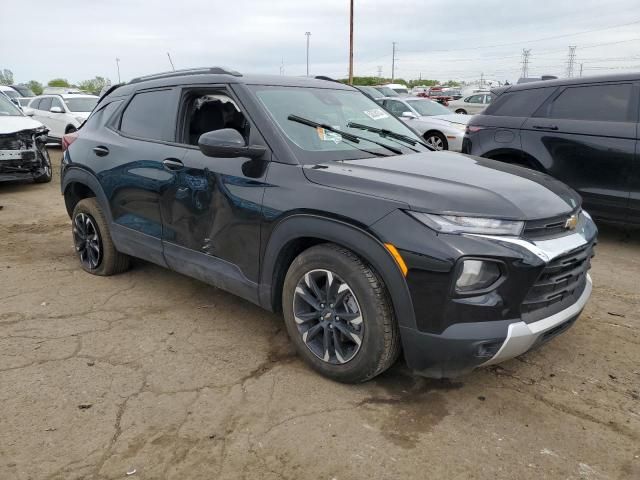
(526, 53)
(571, 63)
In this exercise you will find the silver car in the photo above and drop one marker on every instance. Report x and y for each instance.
(441, 129)
(472, 104)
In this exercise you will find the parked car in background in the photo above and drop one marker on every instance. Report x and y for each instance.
(10, 93)
(441, 129)
(454, 93)
(472, 104)
(23, 90)
(582, 131)
(305, 197)
(386, 91)
(24, 102)
(22, 145)
(60, 90)
(439, 95)
(371, 92)
(61, 113)
(399, 88)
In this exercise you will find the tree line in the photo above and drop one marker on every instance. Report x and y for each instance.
(371, 81)
(93, 85)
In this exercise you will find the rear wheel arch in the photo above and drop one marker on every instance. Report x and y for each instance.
(299, 232)
(515, 157)
(78, 184)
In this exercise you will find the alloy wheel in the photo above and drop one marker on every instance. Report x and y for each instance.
(87, 241)
(435, 142)
(328, 317)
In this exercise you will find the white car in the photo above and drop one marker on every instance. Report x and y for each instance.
(441, 129)
(399, 88)
(63, 113)
(10, 93)
(472, 104)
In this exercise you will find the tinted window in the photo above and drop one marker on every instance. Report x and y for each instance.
(81, 104)
(101, 117)
(598, 102)
(475, 99)
(519, 103)
(45, 104)
(148, 115)
(34, 103)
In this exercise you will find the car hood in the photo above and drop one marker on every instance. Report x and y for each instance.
(451, 183)
(84, 115)
(450, 118)
(16, 123)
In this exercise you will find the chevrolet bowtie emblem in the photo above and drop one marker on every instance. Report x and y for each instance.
(571, 223)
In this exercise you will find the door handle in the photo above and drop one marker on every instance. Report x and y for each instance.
(545, 127)
(173, 164)
(101, 151)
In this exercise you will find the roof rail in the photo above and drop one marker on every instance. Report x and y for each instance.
(328, 79)
(188, 71)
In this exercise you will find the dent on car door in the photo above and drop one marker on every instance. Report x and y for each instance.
(212, 209)
(586, 137)
(137, 173)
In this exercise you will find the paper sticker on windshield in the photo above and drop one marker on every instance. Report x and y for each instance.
(376, 114)
(327, 136)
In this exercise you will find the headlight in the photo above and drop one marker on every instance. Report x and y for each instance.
(457, 224)
(477, 275)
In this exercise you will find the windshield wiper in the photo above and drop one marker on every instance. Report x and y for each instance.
(389, 133)
(348, 136)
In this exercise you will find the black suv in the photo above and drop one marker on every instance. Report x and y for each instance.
(304, 196)
(582, 131)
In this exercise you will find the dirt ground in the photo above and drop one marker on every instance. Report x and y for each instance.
(155, 372)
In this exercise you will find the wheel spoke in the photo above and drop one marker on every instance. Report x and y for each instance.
(305, 295)
(354, 318)
(338, 347)
(311, 333)
(349, 334)
(302, 318)
(311, 283)
(326, 343)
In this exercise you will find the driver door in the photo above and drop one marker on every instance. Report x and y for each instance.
(211, 210)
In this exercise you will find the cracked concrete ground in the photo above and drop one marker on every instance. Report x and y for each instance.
(156, 372)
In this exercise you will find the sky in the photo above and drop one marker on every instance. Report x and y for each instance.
(459, 40)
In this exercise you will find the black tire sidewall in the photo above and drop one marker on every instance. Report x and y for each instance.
(365, 364)
(89, 206)
(45, 176)
(443, 139)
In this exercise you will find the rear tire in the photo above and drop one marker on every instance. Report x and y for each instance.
(92, 240)
(356, 347)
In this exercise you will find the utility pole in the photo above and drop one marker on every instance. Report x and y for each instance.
(171, 62)
(526, 53)
(118, 67)
(379, 71)
(282, 67)
(351, 44)
(308, 34)
(393, 63)
(581, 65)
(572, 61)
(482, 80)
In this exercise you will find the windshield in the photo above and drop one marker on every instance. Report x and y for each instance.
(7, 108)
(84, 104)
(427, 108)
(403, 91)
(336, 109)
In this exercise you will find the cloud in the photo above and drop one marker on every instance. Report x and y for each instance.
(79, 41)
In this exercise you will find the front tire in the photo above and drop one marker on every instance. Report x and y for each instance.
(46, 172)
(461, 111)
(338, 315)
(92, 240)
(436, 140)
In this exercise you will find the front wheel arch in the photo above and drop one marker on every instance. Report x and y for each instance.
(313, 229)
(441, 135)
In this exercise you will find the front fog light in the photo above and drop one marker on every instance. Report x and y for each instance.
(477, 275)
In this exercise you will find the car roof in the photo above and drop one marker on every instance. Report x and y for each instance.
(66, 95)
(561, 82)
(5, 88)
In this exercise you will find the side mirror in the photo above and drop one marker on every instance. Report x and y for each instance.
(228, 143)
(56, 110)
(28, 111)
(408, 115)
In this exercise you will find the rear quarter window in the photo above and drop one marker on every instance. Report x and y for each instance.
(99, 118)
(149, 115)
(519, 103)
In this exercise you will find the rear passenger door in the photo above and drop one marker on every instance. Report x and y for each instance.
(585, 136)
(133, 163)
